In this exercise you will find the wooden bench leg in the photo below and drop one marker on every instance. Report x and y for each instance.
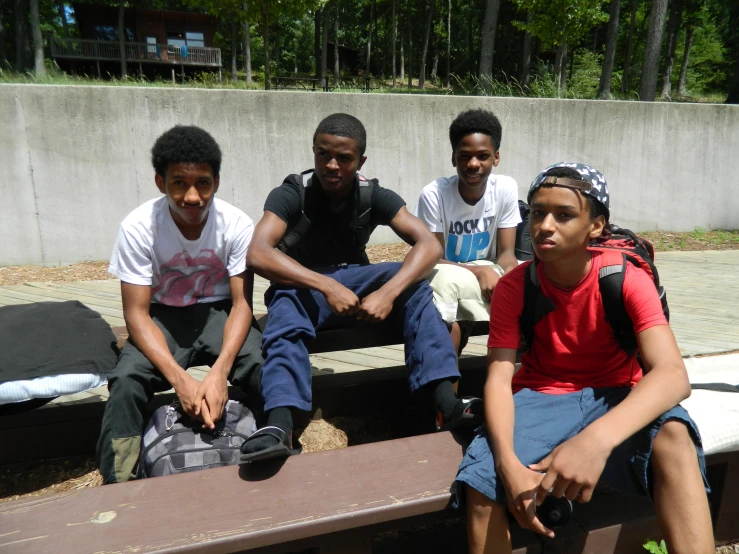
(726, 505)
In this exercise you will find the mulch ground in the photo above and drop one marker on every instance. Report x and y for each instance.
(88, 271)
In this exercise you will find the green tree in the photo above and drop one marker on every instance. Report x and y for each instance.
(558, 23)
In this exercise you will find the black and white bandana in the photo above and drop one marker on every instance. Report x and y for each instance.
(599, 189)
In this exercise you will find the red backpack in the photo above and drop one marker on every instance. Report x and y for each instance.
(622, 247)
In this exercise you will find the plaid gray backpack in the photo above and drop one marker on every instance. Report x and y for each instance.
(174, 443)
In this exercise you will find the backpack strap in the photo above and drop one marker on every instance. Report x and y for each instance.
(611, 284)
(535, 305)
(298, 231)
(363, 207)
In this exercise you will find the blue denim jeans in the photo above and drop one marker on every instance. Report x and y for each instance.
(296, 314)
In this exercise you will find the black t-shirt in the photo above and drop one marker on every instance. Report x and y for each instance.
(330, 239)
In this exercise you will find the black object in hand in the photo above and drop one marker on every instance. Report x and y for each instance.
(554, 512)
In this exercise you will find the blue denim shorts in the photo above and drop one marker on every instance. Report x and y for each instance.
(543, 421)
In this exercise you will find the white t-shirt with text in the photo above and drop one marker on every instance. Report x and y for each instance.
(470, 232)
(150, 250)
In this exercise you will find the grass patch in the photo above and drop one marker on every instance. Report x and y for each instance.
(697, 239)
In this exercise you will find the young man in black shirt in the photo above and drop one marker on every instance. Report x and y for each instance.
(311, 244)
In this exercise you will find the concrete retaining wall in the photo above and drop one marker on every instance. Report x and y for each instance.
(75, 160)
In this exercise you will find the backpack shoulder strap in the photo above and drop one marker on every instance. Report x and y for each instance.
(611, 283)
(535, 305)
(363, 208)
(298, 231)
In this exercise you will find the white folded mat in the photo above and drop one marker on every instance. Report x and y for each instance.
(715, 413)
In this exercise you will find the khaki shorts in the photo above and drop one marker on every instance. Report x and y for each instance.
(457, 293)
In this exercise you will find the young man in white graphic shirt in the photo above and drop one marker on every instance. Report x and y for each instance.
(474, 215)
(187, 299)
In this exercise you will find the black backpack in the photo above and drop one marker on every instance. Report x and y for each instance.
(524, 250)
(622, 247)
(360, 222)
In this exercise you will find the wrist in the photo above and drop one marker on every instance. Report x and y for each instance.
(389, 291)
(179, 378)
(600, 435)
(506, 462)
(221, 368)
(325, 285)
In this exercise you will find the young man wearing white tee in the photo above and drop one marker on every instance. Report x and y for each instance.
(474, 215)
(187, 299)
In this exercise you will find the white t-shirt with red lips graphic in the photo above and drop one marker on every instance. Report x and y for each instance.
(150, 250)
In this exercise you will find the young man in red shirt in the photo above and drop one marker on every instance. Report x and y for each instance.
(580, 410)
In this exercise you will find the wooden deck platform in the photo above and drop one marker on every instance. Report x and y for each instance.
(700, 289)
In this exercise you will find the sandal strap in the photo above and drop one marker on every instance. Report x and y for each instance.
(271, 431)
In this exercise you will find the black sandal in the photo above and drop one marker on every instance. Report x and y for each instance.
(282, 449)
(462, 415)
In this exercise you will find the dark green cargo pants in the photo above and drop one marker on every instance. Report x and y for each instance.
(194, 335)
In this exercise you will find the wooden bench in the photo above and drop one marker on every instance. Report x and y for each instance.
(72, 430)
(348, 500)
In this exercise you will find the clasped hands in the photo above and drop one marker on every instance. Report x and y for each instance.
(204, 400)
(376, 306)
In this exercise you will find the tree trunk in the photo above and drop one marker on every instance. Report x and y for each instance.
(395, 40)
(448, 45)
(629, 47)
(336, 43)
(265, 39)
(435, 64)
(595, 40)
(276, 50)
(369, 37)
(733, 96)
(560, 65)
(38, 41)
(317, 40)
(63, 16)
(648, 87)
(410, 47)
(673, 28)
(122, 39)
(20, 7)
(525, 74)
(247, 45)
(324, 47)
(686, 56)
(402, 59)
(430, 4)
(570, 58)
(234, 51)
(604, 88)
(3, 48)
(488, 41)
(470, 47)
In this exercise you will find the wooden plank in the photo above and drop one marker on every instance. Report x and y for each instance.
(254, 506)
(44, 292)
(353, 358)
(323, 365)
(102, 310)
(77, 291)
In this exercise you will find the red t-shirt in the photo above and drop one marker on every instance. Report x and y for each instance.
(573, 346)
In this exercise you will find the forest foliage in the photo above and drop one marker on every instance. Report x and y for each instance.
(496, 47)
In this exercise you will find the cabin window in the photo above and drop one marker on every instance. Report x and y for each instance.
(195, 39)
